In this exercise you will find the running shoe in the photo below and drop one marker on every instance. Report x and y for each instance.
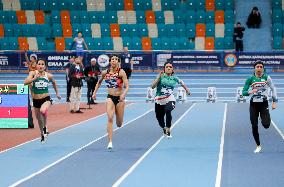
(258, 149)
(109, 146)
(168, 132)
(42, 140)
(45, 131)
(165, 132)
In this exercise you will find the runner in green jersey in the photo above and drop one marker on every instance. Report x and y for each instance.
(259, 83)
(39, 80)
(165, 99)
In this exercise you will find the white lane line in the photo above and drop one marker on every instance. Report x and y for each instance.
(131, 169)
(220, 161)
(72, 153)
(277, 129)
(57, 131)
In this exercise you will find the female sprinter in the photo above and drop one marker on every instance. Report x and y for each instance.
(39, 80)
(165, 99)
(114, 77)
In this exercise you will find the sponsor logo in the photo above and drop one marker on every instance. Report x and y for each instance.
(230, 60)
(103, 60)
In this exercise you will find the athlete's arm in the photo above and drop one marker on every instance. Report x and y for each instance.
(184, 86)
(31, 77)
(85, 44)
(126, 84)
(50, 77)
(273, 89)
(246, 87)
(156, 81)
(99, 83)
(72, 44)
(27, 58)
(274, 93)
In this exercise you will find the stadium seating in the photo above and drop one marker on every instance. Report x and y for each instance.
(110, 24)
(278, 24)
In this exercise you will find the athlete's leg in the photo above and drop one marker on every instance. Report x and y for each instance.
(119, 112)
(169, 119)
(169, 107)
(40, 120)
(110, 108)
(160, 114)
(254, 121)
(265, 115)
(43, 111)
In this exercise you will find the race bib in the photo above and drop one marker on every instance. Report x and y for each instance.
(166, 91)
(127, 60)
(257, 99)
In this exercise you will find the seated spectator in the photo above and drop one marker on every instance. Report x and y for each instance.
(254, 19)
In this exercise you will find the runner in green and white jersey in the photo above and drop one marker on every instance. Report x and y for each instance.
(165, 99)
(39, 80)
(260, 84)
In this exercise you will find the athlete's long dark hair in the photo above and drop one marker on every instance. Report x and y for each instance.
(259, 62)
(116, 55)
(169, 62)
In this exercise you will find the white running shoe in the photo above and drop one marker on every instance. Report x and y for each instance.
(258, 149)
(109, 146)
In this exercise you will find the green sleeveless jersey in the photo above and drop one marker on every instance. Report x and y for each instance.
(40, 85)
(261, 84)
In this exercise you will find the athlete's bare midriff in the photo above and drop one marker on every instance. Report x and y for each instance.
(40, 96)
(115, 91)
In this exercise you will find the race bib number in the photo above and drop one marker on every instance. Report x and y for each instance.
(257, 99)
(166, 91)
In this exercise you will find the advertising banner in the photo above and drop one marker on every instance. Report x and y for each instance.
(189, 58)
(139, 58)
(8, 59)
(54, 60)
(248, 58)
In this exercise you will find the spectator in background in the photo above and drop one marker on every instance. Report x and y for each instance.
(254, 18)
(238, 37)
(68, 83)
(91, 73)
(76, 75)
(126, 62)
(79, 42)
